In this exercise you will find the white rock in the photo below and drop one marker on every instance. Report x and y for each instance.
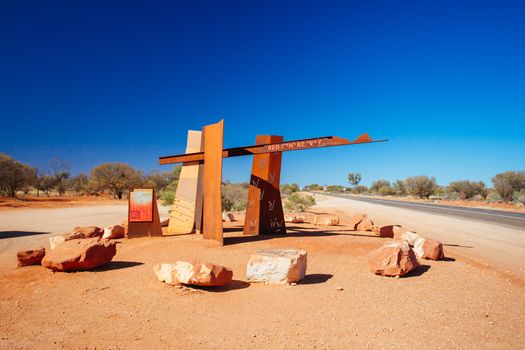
(410, 237)
(418, 247)
(56, 240)
(277, 266)
(196, 273)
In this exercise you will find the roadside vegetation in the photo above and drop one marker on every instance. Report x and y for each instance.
(18, 180)
(507, 187)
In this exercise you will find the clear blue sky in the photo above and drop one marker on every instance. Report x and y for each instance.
(98, 81)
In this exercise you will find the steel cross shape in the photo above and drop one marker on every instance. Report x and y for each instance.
(197, 206)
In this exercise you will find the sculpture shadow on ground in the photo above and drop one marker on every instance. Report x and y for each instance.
(448, 259)
(233, 285)
(316, 278)
(293, 232)
(421, 269)
(457, 245)
(14, 234)
(117, 265)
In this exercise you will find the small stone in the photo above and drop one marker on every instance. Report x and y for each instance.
(30, 256)
(339, 288)
(114, 232)
(326, 220)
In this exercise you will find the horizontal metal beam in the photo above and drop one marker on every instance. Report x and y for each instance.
(296, 145)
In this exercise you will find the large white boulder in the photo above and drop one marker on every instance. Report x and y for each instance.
(277, 266)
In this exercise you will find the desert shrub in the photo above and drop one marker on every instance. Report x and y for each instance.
(376, 185)
(60, 172)
(509, 182)
(354, 179)
(493, 197)
(399, 188)
(288, 189)
(313, 187)
(335, 189)
(359, 189)
(78, 184)
(385, 191)
(298, 202)
(167, 193)
(234, 196)
(118, 178)
(420, 186)
(14, 176)
(519, 196)
(468, 189)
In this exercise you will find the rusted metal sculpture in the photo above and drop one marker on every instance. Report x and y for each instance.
(264, 213)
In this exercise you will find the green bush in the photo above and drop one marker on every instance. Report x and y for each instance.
(298, 202)
(420, 186)
(288, 189)
(335, 189)
(519, 196)
(359, 189)
(509, 182)
(468, 189)
(385, 191)
(313, 187)
(234, 196)
(376, 185)
(493, 197)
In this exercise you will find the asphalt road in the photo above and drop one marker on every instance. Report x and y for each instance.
(510, 219)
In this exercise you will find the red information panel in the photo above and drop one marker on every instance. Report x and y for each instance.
(141, 205)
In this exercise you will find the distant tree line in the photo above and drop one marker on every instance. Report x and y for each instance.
(113, 178)
(508, 186)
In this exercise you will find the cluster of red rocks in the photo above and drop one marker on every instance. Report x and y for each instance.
(399, 256)
(319, 220)
(84, 248)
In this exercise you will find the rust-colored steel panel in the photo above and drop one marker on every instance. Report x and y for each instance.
(318, 142)
(264, 211)
(212, 218)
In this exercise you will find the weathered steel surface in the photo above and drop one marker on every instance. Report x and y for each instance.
(212, 218)
(184, 210)
(264, 211)
(318, 142)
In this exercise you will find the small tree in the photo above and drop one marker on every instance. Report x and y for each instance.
(376, 185)
(420, 186)
(288, 189)
(313, 187)
(44, 182)
(399, 188)
(14, 176)
(118, 178)
(234, 196)
(509, 182)
(168, 193)
(359, 189)
(335, 188)
(79, 184)
(60, 172)
(354, 179)
(385, 191)
(467, 189)
(297, 202)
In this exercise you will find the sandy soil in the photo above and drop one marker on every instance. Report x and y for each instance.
(445, 304)
(7, 203)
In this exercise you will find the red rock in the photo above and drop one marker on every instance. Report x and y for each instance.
(228, 217)
(376, 230)
(394, 258)
(114, 232)
(398, 231)
(356, 219)
(84, 232)
(80, 254)
(426, 248)
(277, 266)
(294, 218)
(387, 231)
(410, 237)
(30, 256)
(193, 273)
(326, 220)
(365, 224)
